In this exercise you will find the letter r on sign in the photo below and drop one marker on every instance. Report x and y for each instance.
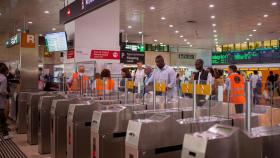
(30, 39)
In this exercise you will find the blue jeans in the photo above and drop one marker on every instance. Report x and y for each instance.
(255, 96)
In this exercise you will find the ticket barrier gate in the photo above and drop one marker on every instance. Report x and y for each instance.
(108, 135)
(79, 127)
(45, 122)
(219, 141)
(59, 111)
(33, 115)
(22, 111)
(160, 136)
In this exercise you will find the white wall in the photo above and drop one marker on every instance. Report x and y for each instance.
(98, 30)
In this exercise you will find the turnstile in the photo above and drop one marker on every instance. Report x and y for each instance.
(33, 115)
(44, 131)
(22, 111)
(219, 141)
(59, 111)
(79, 127)
(160, 136)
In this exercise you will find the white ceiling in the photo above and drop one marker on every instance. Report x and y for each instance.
(235, 19)
(15, 11)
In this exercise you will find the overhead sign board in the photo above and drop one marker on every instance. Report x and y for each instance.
(246, 57)
(13, 41)
(79, 8)
(27, 40)
(105, 54)
(130, 57)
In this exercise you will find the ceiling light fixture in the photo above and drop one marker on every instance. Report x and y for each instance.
(254, 30)
(30, 22)
(217, 45)
(152, 8)
(170, 25)
(18, 30)
(155, 40)
(188, 43)
(217, 42)
(0, 14)
(259, 24)
(140, 32)
(265, 15)
(248, 39)
(274, 3)
(176, 31)
(216, 39)
(214, 31)
(213, 17)
(185, 40)
(40, 34)
(211, 6)
(129, 27)
(181, 36)
(163, 18)
(245, 42)
(250, 35)
(161, 43)
(215, 35)
(53, 29)
(47, 12)
(214, 25)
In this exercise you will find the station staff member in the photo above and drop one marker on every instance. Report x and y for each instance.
(74, 81)
(235, 85)
(167, 74)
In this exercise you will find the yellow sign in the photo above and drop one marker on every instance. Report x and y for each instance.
(202, 89)
(129, 84)
(160, 87)
(187, 88)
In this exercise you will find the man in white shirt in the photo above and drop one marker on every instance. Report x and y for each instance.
(164, 73)
(254, 79)
(139, 75)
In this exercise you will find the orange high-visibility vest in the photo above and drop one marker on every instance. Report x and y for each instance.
(110, 84)
(75, 82)
(237, 89)
(99, 86)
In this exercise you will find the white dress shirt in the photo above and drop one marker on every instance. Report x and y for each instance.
(139, 77)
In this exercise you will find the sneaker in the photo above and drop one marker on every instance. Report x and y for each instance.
(7, 137)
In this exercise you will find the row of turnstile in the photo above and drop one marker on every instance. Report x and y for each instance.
(70, 126)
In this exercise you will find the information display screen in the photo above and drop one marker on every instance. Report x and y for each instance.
(56, 42)
(246, 57)
(220, 58)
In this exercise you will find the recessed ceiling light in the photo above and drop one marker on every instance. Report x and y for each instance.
(161, 43)
(188, 43)
(170, 25)
(163, 18)
(129, 27)
(30, 22)
(53, 29)
(259, 24)
(176, 31)
(185, 40)
(155, 40)
(0, 14)
(140, 32)
(217, 45)
(213, 17)
(254, 30)
(214, 25)
(152, 8)
(215, 35)
(181, 36)
(217, 42)
(245, 42)
(18, 30)
(265, 15)
(248, 39)
(47, 12)
(216, 39)
(40, 34)
(211, 6)
(274, 3)
(214, 31)
(250, 35)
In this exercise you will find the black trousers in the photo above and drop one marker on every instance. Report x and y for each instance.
(3, 123)
(239, 108)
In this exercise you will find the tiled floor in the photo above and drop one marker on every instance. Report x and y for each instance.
(31, 151)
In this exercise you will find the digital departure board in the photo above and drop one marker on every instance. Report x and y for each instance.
(246, 57)
(56, 41)
(220, 58)
(250, 57)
